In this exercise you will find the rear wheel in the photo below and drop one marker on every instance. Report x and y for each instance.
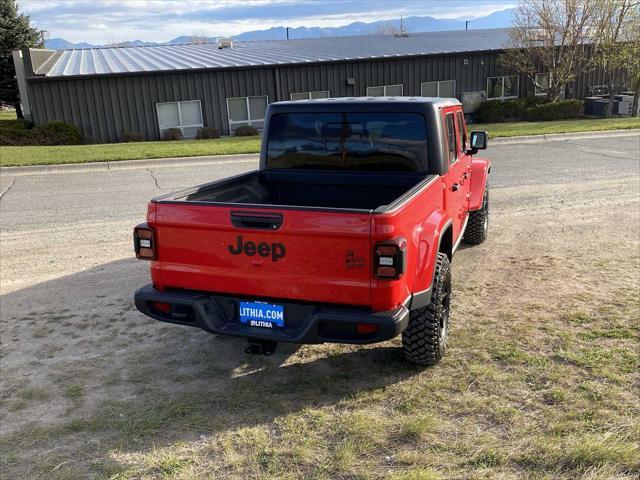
(478, 224)
(424, 341)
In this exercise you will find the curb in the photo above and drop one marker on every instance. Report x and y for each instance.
(556, 137)
(253, 157)
(130, 164)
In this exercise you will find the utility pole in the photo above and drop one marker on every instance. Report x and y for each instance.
(44, 36)
(466, 25)
(287, 33)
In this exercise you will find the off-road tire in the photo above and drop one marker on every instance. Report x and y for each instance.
(478, 223)
(424, 341)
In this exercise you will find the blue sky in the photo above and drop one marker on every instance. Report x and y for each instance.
(111, 21)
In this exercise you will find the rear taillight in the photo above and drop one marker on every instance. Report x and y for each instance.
(390, 258)
(144, 242)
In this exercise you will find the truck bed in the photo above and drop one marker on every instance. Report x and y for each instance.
(351, 191)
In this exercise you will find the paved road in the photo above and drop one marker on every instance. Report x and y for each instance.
(56, 224)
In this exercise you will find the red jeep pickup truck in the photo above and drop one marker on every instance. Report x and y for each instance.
(344, 234)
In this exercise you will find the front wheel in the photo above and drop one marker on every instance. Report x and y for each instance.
(424, 341)
(478, 224)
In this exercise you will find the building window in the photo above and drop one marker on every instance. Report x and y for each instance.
(310, 95)
(385, 91)
(541, 79)
(443, 88)
(503, 87)
(187, 116)
(247, 111)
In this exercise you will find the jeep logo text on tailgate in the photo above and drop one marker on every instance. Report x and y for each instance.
(276, 250)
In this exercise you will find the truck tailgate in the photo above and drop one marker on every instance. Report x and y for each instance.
(310, 255)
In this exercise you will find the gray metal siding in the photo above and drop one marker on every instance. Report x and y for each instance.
(106, 107)
(409, 72)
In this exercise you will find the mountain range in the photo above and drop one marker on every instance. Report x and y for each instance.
(500, 19)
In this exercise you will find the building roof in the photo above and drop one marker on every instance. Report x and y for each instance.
(156, 58)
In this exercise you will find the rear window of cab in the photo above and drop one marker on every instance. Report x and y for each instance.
(358, 141)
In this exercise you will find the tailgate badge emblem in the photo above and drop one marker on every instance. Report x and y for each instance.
(275, 250)
(353, 261)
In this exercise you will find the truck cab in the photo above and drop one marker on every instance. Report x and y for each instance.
(345, 233)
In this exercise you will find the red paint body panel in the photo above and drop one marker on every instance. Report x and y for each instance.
(405, 222)
(430, 233)
(479, 173)
(193, 253)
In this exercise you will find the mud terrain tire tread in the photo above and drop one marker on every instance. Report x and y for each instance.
(421, 341)
(478, 223)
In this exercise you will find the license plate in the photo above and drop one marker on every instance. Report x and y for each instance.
(260, 314)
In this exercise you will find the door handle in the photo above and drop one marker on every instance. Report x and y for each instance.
(455, 187)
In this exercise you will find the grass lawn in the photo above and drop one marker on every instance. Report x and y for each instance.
(108, 152)
(557, 126)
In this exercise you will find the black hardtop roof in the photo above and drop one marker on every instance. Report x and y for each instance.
(441, 102)
(364, 104)
(428, 107)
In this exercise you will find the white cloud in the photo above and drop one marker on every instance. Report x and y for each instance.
(161, 20)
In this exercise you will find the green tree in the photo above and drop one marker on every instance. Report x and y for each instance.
(549, 34)
(15, 33)
(630, 52)
(615, 37)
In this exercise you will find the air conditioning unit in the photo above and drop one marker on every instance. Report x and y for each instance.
(624, 107)
(225, 43)
(472, 100)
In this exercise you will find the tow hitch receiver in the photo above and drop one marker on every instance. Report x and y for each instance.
(261, 347)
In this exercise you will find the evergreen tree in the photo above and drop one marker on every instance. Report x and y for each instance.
(15, 33)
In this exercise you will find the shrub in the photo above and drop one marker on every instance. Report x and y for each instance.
(132, 136)
(246, 131)
(17, 137)
(172, 134)
(496, 111)
(207, 133)
(58, 133)
(533, 100)
(528, 109)
(21, 132)
(555, 111)
(18, 124)
(16, 133)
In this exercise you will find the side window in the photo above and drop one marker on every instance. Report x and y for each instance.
(462, 129)
(451, 138)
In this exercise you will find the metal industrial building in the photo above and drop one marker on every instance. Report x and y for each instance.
(112, 90)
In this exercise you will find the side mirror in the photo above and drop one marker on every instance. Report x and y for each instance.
(478, 142)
